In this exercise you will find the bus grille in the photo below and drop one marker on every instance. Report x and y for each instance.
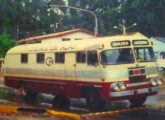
(137, 75)
(136, 79)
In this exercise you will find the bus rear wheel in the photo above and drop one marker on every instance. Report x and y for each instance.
(61, 102)
(138, 102)
(94, 100)
(27, 95)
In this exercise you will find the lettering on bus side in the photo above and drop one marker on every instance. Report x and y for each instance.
(120, 43)
(140, 42)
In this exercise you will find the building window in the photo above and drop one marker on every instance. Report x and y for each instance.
(92, 58)
(59, 57)
(40, 57)
(24, 58)
(80, 57)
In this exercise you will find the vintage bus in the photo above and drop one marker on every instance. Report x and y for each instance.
(120, 67)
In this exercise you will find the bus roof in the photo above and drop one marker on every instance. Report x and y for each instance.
(75, 45)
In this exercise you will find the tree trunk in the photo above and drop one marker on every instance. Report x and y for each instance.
(17, 31)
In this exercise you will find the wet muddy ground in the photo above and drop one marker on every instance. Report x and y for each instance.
(8, 98)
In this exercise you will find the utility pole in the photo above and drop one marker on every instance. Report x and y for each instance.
(84, 10)
(124, 28)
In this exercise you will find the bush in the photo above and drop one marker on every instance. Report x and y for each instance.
(5, 44)
(163, 73)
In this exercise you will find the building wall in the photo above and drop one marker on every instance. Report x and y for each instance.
(77, 35)
(158, 45)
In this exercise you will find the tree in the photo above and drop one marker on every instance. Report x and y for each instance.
(5, 44)
(148, 14)
(107, 12)
(26, 18)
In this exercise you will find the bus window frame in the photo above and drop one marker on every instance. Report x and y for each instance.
(97, 58)
(119, 48)
(37, 58)
(55, 57)
(22, 60)
(85, 57)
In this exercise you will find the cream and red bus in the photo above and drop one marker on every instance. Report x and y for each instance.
(100, 69)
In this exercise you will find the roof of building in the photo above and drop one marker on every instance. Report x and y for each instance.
(159, 43)
(55, 35)
(161, 39)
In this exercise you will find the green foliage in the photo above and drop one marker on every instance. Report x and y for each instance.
(148, 14)
(25, 18)
(163, 73)
(5, 44)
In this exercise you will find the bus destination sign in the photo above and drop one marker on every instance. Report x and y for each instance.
(120, 43)
(140, 42)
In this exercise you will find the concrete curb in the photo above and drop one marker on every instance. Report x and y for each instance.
(6, 109)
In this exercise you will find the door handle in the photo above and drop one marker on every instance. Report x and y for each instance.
(74, 65)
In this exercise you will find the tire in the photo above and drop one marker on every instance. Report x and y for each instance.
(138, 102)
(94, 100)
(61, 102)
(27, 95)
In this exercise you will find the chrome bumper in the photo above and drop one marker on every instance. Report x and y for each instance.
(134, 92)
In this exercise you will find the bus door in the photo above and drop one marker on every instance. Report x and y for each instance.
(93, 67)
(87, 68)
(73, 90)
(70, 65)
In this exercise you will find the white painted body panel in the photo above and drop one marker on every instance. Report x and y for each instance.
(67, 71)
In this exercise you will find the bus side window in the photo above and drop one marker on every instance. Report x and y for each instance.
(40, 57)
(80, 57)
(60, 57)
(24, 58)
(92, 58)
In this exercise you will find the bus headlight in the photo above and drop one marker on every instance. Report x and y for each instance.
(159, 82)
(122, 86)
(155, 81)
(118, 86)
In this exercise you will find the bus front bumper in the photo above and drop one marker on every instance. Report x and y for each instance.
(134, 92)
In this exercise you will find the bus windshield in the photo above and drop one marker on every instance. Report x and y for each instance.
(144, 54)
(117, 56)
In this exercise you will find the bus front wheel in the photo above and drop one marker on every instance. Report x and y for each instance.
(94, 101)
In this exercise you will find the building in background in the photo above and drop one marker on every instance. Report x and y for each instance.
(159, 49)
(76, 34)
(159, 44)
